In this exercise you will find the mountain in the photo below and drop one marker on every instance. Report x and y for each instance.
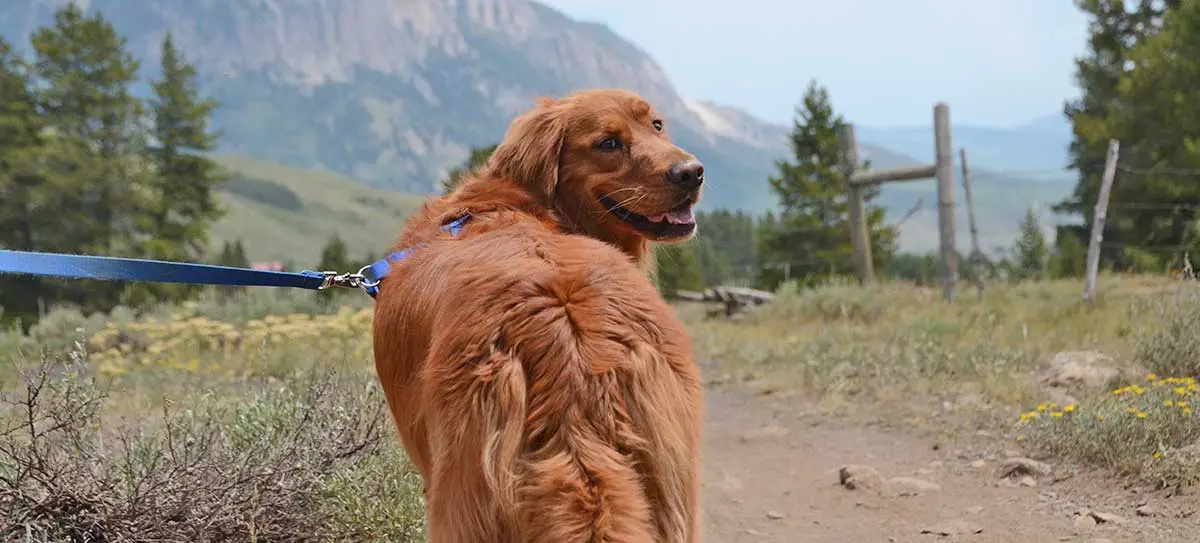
(1000, 197)
(394, 93)
(1038, 146)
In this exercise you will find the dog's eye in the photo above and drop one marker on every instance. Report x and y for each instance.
(657, 124)
(609, 144)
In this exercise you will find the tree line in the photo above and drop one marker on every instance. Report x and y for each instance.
(88, 167)
(1140, 82)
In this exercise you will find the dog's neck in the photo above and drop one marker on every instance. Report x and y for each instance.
(481, 195)
(633, 245)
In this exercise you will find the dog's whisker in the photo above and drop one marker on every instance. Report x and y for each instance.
(618, 205)
(609, 195)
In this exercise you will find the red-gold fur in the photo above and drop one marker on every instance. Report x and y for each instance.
(540, 384)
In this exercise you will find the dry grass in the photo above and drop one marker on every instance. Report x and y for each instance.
(212, 424)
(893, 340)
(222, 418)
(899, 352)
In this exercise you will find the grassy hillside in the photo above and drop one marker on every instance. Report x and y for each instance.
(287, 214)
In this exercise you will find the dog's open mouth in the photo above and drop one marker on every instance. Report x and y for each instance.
(678, 222)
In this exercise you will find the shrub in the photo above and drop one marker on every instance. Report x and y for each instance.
(277, 466)
(1146, 429)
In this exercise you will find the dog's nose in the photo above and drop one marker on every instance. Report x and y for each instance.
(688, 174)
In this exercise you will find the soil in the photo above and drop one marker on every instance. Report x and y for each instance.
(772, 474)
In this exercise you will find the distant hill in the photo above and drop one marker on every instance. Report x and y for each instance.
(392, 94)
(287, 214)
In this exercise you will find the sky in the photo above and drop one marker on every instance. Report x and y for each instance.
(885, 62)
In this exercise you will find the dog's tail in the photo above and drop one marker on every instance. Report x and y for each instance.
(568, 434)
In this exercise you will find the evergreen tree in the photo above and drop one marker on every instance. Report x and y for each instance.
(1069, 258)
(334, 255)
(1138, 82)
(22, 188)
(93, 165)
(179, 205)
(184, 205)
(813, 236)
(1030, 253)
(479, 157)
(677, 268)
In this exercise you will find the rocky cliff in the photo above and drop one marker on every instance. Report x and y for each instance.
(395, 92)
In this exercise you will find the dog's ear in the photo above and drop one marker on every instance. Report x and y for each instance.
(531, 151)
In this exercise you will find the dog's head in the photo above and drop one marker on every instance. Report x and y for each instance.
(603, 160)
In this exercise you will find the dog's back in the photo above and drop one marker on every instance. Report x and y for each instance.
(551, 391)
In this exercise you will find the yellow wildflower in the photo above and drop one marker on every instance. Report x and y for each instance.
(1069, 408)
(1141, 414)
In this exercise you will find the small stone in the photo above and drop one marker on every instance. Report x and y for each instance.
(1109, 518)
(979, 464)
(752, 531)
(953, 528)
(1147, 511)
(859, 477)
(1027, 481)
(1019, 465)
(774, 515)
(909, 486)
(974, 510)
(1084, 522)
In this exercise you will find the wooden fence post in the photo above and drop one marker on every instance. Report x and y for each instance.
(1093, 256)
(945, 177)
(976, 254)
(859, 234)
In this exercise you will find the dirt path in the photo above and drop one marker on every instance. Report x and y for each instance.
(772, 475)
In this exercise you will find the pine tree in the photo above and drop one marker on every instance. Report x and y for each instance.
(184, 204)
(1031, 251)
(334, 255)
(677, 268)
(1069, 258)
(1135, 76)
(813, 234)
(94, 169)
(21, 185)
(479, 157)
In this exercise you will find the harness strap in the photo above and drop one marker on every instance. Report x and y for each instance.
(157, 271)
(382, 267)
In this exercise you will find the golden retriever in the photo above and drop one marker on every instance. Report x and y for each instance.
(539, 382)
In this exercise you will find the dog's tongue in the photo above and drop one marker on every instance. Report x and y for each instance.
(681, 217)
(675, 217)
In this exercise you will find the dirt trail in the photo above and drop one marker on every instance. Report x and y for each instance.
(772, 475)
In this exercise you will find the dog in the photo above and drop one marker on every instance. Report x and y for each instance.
(540, 384)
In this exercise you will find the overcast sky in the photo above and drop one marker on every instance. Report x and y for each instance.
(885, 62)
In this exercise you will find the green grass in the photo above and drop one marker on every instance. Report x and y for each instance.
(367, 219)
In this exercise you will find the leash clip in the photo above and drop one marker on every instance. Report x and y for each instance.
(344, 280)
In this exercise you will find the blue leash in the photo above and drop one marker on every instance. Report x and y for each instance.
(157, 271)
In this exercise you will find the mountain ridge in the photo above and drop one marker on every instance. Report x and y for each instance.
(393, 94)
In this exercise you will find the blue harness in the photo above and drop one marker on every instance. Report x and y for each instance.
(157, 271)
